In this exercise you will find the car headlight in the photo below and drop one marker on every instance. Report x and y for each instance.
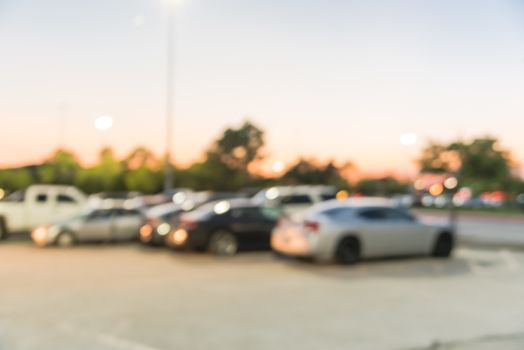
(163, 229)
(180, 236)
(146, 231)
(39, 235)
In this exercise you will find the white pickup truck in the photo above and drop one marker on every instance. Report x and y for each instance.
(39, 205)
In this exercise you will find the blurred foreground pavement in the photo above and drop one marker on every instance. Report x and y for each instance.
(130, 297)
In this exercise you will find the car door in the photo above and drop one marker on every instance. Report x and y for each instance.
(375, 233)
(389, 232)
(65, 206)
(126, 224)
(40, 208)
(267, 219)
(411, 237)
(97, 226)
(246, 224)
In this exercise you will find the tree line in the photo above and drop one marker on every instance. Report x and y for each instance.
(481, 164)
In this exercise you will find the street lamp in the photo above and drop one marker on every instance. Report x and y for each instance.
(104, 123)
(408, 139)
(170, 55)
(278, 166)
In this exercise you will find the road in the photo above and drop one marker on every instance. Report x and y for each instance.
(483, 230)
(134, 298)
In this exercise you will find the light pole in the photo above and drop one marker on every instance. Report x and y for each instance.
(409, 140)
(170, 53)
(62, 126)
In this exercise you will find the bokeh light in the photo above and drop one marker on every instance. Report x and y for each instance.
(104, 123)
(408, 139)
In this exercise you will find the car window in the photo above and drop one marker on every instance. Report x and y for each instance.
(270, 213)
(247, 213)
(296, 199)
(15, 197)
(41, 198)
(171, 215)
(385, 214)
(328, 197)
(396, 214)
(100, 214)
(373, 214)
(63, 198)
(126, 212)
(338, 213)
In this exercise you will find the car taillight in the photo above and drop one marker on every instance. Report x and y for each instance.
(189, 225)
(311, 226)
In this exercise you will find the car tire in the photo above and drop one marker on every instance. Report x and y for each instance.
(348, 251)
(443, 246)
(223, 243)
(65, 239)
(3, 229)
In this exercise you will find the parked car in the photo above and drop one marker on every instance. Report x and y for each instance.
(95, 225)
(353, 229)
(225, 227)
(160, 220)
(292, 199)
(39, 205)
(113, 199)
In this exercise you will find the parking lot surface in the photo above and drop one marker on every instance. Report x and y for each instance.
(131, 297)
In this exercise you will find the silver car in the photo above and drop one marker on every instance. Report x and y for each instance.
(350, 230)
(96, 225)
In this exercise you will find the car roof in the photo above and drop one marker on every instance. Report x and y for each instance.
(235, 202)
(161, 209)
(358, 203)
(300, 190)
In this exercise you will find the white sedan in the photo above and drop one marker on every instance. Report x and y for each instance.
(353, 229)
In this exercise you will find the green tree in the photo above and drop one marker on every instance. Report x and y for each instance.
(386, 186)
(61, 168)
(227, 161)
(15, 179)
(237, 148)
(107, 175)
(141, 157)
(143, 180)
(307, 172)
(481, 164)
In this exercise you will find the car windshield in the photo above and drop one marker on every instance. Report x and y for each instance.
(164, 211)
(18, 196)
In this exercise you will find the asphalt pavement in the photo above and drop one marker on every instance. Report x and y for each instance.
(134, 298)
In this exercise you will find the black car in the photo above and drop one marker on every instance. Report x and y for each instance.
(160, 221)
(225, 227)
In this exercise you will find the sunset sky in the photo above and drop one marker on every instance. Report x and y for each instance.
(335, 79)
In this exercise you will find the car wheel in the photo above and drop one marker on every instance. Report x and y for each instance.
(65, 239)
(3, 230)
(223, 243)
(443, 246)
(348, 251)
